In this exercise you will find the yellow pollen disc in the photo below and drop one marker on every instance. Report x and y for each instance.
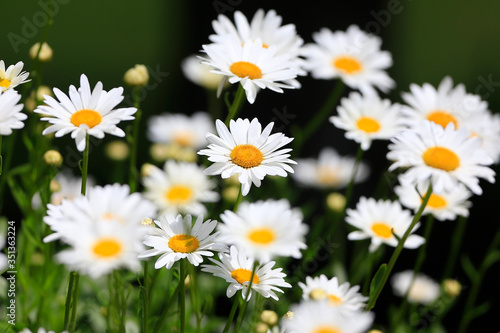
(347, 65)
(246, 69)
(382, 230)
(328, 176)
(441, 158)
(243, 275)
(183, 243)
(436, 201)
(109, 217)
(246, 156)
(90, 118)
(334, 300)
(107, 248)
(368, 125)
(183, 138)
(179, 194)
(264, 45)
(442, 118)
(4, 83)
(327, 329)
(261, 235)
(317, 294)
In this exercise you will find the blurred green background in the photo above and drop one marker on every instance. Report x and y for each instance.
(428, 40)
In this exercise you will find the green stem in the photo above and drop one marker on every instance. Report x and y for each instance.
(182, 295)
(238, 102)
(165, 309)
(145, 299)
(456, 243)
(231, 315)
(238, 200)
(134, 173)
(241, 315)
(85, 165)
(320, 117)
(67, 306)
(397, 251)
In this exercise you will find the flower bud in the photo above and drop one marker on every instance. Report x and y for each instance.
(452, 287)
(53, 157)
(136, 76)
(269, 317)
(335, 201)
(117, 150)
(45, 52)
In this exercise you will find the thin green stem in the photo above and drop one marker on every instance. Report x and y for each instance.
(238, 102)
(456, 243)
(134, 173)
(397, 251)
(231, 315)
(67, 306)
(238, 200)
(182, 295)
(145, 298)
(320, 117)
(241, 315)
(165, 309)
(85, 165)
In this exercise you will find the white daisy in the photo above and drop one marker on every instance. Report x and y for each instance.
(342, 295)
(85, 112)
(236, 268)
(486, 126)
(353, 56)
(248, 151)
(423, 289)
(317, 317)
(200, 73)
(441, 154)
(444, 206)
(251, 64)
(69, 187)
(181, 129)
(378, 220)
(179, 188)
(267, 27)
(177, 238)
(367, 118)
(112, 203)
(102, 248)
(13, 76)
(442, 105)
(265, 229)
(11, 116)
(329, 170)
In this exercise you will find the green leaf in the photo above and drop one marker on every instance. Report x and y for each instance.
(469, 268)
(378, 279)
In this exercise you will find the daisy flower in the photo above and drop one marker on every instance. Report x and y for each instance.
(104, 247)
(199, 73)
(443, 155)
(342, 295)
(315, 317)
(486, 126)
(251, 64)
(267, 27)
(85, 112)
(265, 229)
(177, 238)
(353, 56)
(367, 118)
(423, 289)
(378, 220)
(236, 268)
(329, 170)
(11, 116)
(444, 206)
(113, 203)
(68, 187)
(179, 188)
(183, 130)
(13, 76)
(247, 150)
(443, 105)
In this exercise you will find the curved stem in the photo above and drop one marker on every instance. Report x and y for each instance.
(231, 315)
(397, 251)
(238, 102)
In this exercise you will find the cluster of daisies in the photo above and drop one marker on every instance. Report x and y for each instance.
(443, 139)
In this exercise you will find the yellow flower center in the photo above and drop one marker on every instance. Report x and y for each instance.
(246, 156)
(382, 230)
(4, 83)
(327, 176)
(347, 65)
(327, 329)
(436, 201)
(183, 138)
(334, 300)
(107, 248)
(183, 243)
(317, 294)
(179, 194)
(90, 118)
(442, 118)
(243, 275)
(441, 158)
(246, 69)
(110, 217)
(368, 124)
(261, 235)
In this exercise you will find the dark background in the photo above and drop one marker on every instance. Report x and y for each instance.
(428, 40)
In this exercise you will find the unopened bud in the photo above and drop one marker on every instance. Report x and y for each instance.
(147, 222)
(269, 317)
(136, 76)
(55, 186)
(45, 52)
(288, 315)
(336, 202)
(117, 150)
(452, 287)
(53, 157)
(261, 328)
